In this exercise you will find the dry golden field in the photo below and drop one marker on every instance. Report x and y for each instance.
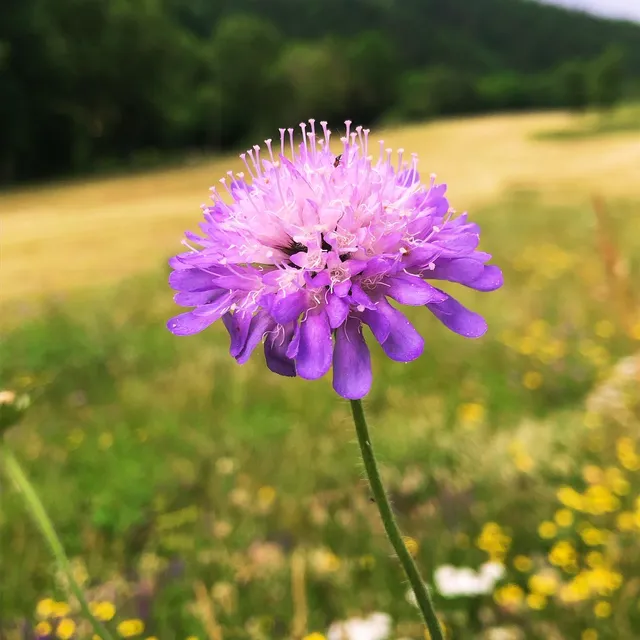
(59, 237)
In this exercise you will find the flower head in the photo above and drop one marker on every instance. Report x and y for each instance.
(313, 246)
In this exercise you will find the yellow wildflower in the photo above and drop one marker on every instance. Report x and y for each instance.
(532, 380)
(547, 530)
(598, 499)
(44, 608)
(523, 462)
(536, 601)
(103, 610)
(563, 517)
(526, 346)
(412, 545)
(562, 554)
(314, 636)
(603, 581)
(569, 497)
(592, 536)
(592, 474)
(545, 584)
(266, 496)
(635, 331)
(130, 628)
(325, 561)
(43, 629)
(627, 455)
(60, 609)
(602, 609)
(471, 414)
(589, 634)
(575, 591)
(493, 541)
(617, 482)
(626, 521)
(511, 595)
(595, 559)
(522, 563)
(66, 628)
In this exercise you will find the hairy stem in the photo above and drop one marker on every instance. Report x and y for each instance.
(425, 604)
(43, 522)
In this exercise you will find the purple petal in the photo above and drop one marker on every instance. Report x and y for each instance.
(404, 343)
(289, 308)
(294, 345)
(314, 354)
(412, 290)
(322, 279)
(275, 354)
(359, 297)
(196, 298)
(217, 308)
(351, 362)
(378, 324)
(354, 267)
(342, 289)
(337, 310)
(421, 256)
(458, 318)
(238, 327)
(490, 280)
(377, 266)
(462, 270)
(192, 280)
(260, 324)
(186, 324)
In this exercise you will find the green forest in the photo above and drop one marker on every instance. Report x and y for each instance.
(88, 85)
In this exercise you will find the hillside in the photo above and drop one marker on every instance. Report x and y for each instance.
(487, 35)
(89, 85)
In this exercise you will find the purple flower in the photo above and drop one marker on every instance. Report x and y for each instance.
(313, 246)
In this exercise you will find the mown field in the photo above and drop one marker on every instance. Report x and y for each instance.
(207, 500)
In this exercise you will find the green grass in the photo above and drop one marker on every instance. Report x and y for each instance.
(165, 465)
(623, 120)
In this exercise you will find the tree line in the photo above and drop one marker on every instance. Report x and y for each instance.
(88, 84)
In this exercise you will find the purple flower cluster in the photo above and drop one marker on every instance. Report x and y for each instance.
(314, 245)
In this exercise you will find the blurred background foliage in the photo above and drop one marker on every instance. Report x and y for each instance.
(200, 499)
(91, 84)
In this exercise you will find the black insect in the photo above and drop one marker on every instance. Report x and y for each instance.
(336, 162)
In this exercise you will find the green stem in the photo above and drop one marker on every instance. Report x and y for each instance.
(425, 604)
(43, 522)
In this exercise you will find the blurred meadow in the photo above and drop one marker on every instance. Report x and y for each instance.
(203, 500)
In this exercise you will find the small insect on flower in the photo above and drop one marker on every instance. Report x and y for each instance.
(303, 257)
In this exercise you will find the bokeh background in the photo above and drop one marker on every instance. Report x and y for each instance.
(203, 500)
